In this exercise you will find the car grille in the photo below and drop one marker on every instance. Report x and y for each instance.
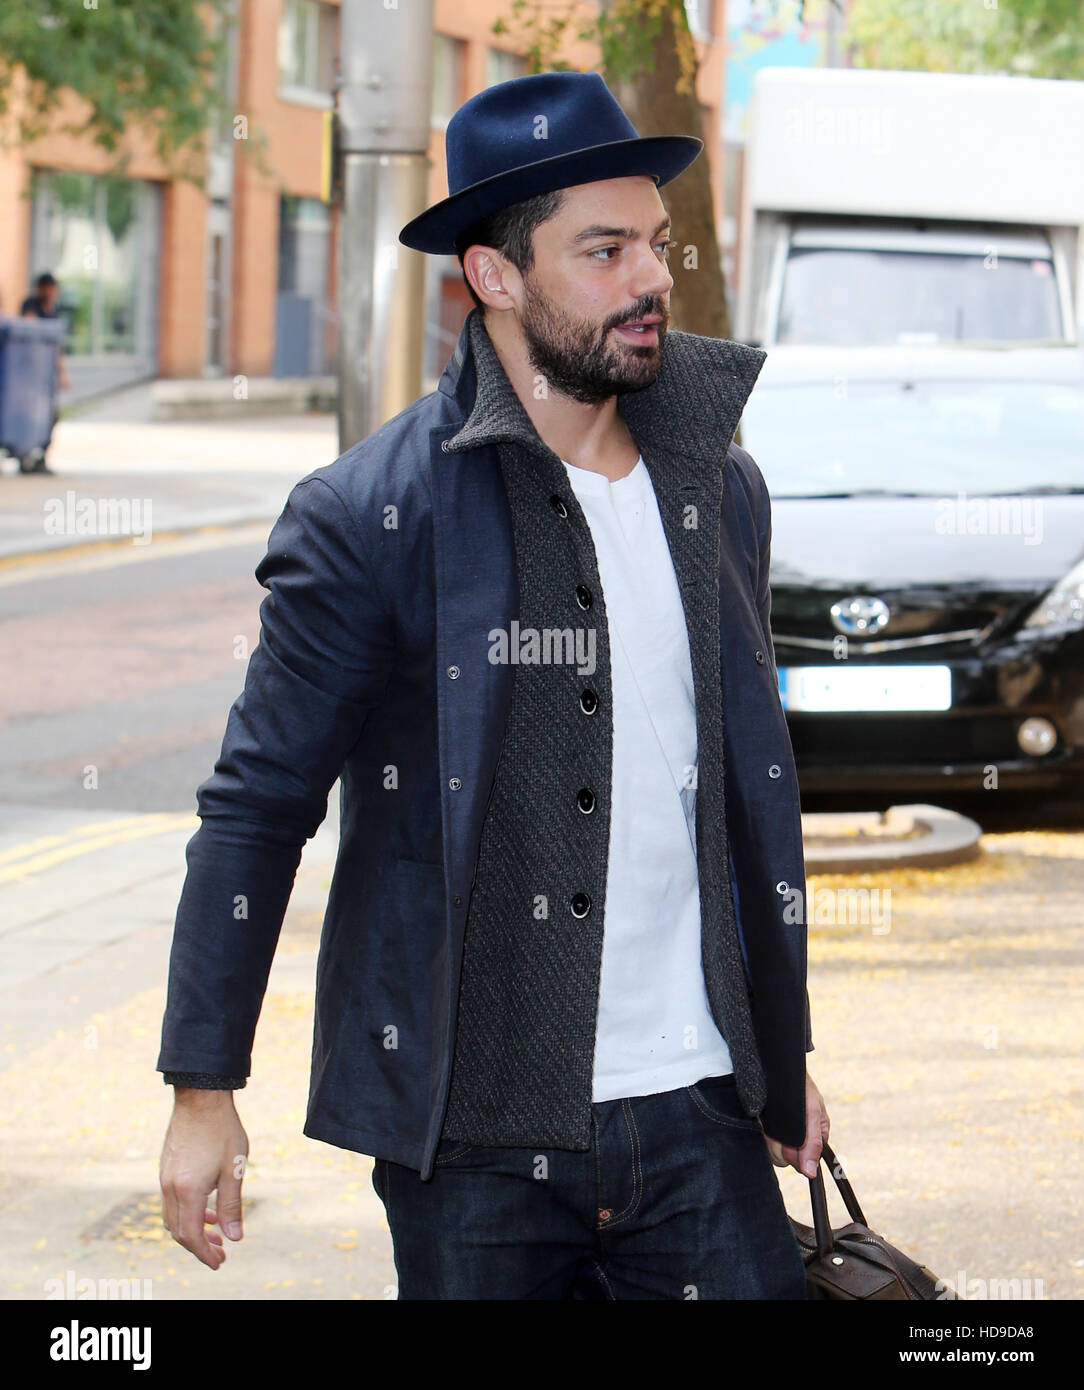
(801, 617)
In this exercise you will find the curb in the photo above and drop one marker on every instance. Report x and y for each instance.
(928, 837)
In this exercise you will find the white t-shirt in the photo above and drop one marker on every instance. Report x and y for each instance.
(655, 1028)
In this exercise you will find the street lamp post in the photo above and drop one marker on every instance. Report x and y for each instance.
(383, 132)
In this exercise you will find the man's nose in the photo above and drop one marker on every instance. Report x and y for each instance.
(652, 277)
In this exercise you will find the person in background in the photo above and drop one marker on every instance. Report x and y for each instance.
(42, 305)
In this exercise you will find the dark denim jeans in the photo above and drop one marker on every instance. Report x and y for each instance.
(676, 1198)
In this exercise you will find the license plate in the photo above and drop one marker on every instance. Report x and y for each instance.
(865, 688)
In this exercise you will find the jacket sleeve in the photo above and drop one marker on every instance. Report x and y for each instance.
(321, 664)
(764, 608)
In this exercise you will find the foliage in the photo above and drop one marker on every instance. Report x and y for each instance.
(626, 32)
(149, 64)
(1034, 38)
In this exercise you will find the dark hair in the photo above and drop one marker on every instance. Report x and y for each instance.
(45, 278)
(509, 231)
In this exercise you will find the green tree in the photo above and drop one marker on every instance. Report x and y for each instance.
(155, 65)
(1033, 38)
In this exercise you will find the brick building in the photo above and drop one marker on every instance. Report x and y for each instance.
(164, 278)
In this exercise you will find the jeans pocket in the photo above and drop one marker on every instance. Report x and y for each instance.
(449, 1150)
(716, 1097)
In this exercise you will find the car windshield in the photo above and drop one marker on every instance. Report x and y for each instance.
(847, 298)
(935, 438)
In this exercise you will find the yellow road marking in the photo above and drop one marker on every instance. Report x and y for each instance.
(44, 842)
(96, 555)
(139, 831)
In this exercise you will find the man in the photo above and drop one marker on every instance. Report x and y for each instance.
(527, 623)
(42, 305)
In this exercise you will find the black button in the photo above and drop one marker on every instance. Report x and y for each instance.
(584, 596)
(581, 904)
(588, 701)
(558, 506)
(457, 901)
(760, 658)
(585, 800)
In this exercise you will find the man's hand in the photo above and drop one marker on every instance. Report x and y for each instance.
(205, 1151)
(807, 1158)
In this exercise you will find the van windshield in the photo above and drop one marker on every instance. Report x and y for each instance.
(845, 297)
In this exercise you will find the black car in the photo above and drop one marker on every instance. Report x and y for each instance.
(927, 563)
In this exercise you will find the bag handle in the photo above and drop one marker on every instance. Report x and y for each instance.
(819, 1200)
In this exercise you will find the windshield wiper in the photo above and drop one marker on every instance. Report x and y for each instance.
(1046, 490)
(858, 492)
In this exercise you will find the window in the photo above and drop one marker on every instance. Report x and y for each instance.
(857, 297)
(108, 306)
(308, 41)
(502, 66)
(448, 59)
(304, 266)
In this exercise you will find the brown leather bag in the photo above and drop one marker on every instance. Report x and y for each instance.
(854, 1262)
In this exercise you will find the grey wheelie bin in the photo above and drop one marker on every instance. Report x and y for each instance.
(28, 370)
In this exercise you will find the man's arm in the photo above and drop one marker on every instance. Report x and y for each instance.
(764, 608)
(806, 1158)
(322, 663)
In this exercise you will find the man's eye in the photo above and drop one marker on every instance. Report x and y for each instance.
(602, 251)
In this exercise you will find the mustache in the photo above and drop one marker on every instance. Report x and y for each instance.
(642, 313)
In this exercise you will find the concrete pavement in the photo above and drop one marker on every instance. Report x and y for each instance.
(88, 911)
(119, 473)
(947, 1048)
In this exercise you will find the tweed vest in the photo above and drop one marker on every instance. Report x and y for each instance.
(523, 1063)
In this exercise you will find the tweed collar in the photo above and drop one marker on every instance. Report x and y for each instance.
(693, 407)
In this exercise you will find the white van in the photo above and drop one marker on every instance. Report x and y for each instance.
(911, 208)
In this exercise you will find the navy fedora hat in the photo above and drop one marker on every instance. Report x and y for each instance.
(534, 135)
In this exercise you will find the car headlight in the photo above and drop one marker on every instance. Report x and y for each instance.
(1062, 609)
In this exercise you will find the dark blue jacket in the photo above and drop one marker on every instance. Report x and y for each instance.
(381, 571)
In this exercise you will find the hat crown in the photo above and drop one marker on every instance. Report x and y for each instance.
(533, 135)
(529, 119)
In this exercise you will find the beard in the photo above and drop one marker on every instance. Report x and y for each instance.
(580, 358)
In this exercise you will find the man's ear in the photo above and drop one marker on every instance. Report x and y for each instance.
(485, 268)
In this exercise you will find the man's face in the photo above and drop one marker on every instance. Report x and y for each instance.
(48, 294)
(599, 269)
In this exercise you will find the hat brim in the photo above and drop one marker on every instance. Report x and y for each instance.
(661, 157)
